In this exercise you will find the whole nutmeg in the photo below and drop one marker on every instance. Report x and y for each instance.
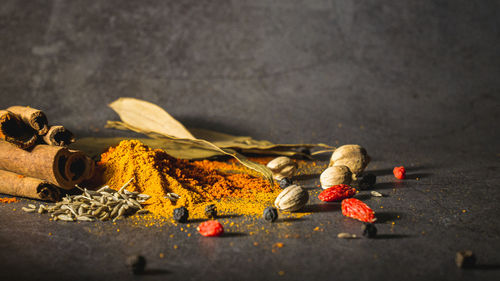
(292, 198)
(353, 156)
(282, 167)
(335, 175)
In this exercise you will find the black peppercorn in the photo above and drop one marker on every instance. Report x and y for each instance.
(211, 211)
(136, 263)
(270, 214)
(368, 181)
(465, 259)
(369, 230)
(285, 182)
(181, 214)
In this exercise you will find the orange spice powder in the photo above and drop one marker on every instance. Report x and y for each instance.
(198, 183)
(8, 200)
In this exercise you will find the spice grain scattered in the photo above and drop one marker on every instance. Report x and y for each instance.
(8, 200)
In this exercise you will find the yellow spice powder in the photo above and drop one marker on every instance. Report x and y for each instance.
(198, 183)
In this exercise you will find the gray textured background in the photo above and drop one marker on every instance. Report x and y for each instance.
(415, 82)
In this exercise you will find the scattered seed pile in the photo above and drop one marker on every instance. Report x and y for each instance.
(173, 182)
(103, 204)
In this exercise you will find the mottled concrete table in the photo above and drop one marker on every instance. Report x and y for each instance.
(416, 83)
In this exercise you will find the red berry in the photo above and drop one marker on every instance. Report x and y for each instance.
(399, 172)
(356, 209)
(337, 193)
(211, 228)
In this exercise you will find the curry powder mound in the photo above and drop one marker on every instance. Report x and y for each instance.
(198, 183)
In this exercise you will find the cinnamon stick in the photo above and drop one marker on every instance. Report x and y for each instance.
(15, 131)
(58, 135)
(78, 157)
(35, 118)
(17, 185)
(55, 164)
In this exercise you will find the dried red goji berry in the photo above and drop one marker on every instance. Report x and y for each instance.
(399, 172)
(356, 209)
(211, 228)
(337, 193)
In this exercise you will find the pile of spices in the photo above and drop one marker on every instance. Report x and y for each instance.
(103, 204)
(195, 184)
(8, 200)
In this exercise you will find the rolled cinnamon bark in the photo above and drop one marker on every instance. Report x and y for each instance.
(15, 131)
(18, 185)
(58, 135)
(33, 117)
(87, 171)
(55, 164)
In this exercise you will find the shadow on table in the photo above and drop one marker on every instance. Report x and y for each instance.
(155, 271)
(391, 236)
(363, 197)
(418, 176)
(400, 183)
(233, 234)
(383, 217)
(196, 220)
(410, 171)
(386, 185)
(485, 267)
(306, 177)
(320, 208)
(310, 187)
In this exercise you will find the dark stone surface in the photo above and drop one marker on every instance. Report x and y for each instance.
(415, 82)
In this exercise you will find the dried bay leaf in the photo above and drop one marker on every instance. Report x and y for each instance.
(149, 117)
(245, 142)
(145, 120)
(94, 147)
(267, 149)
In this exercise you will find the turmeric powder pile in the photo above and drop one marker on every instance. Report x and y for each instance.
(198, 183)
(8, 200)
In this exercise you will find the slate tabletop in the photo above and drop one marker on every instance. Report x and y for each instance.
(417, 83)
